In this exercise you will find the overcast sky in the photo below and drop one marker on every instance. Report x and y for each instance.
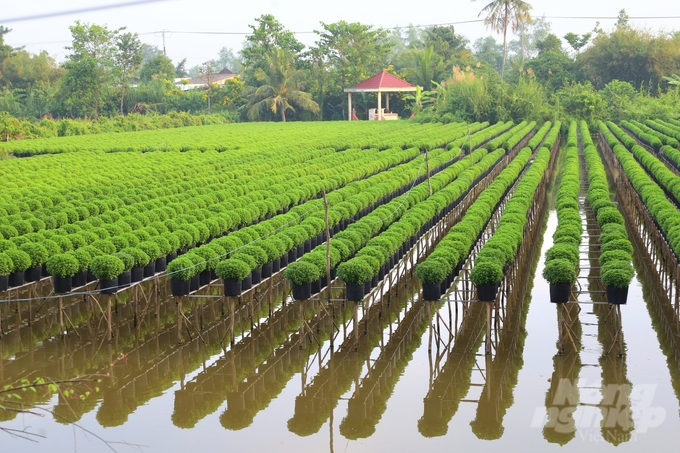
(52, 33)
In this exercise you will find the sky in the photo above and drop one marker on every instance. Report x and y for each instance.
(149, 19)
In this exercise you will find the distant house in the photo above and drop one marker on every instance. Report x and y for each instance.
(201, 81)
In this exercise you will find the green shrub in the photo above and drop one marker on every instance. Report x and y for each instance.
(559, 272)
(617, 244)
(6, 265)
(37, 252)
(107, 267)
(486, 273)
(618, 277)
(248, 259)
(232, 269)
(355, 271)
(609, 215)
(20, 259)
(301, 273)
(259, 255)
(141, 258)
(181, 268)
(83, 257)
(127, 259)
(614, 255)
(63, 265)
(563, 251)
(431, 271)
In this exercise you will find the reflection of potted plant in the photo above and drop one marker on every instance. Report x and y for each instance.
(486, 276)
(6, 266)
(62, 267)
(107, 268)
(233, 272)
(617, 280)
(301, 274)
(561, 275)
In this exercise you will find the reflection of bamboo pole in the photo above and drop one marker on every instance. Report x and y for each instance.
(429, 317)
(356, 326)
(301, 342)
(61, 318)
(232, 315)
(488, 327)
(179, 319)
(109, 317)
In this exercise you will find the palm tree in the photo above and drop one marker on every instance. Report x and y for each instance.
(501, 14)
(425, 67)
(281, 85)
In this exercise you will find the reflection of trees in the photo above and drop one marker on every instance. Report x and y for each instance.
(369, 401)
(453, 382)
(318, 399)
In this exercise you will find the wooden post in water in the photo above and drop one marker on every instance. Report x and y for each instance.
(301, 340)
(328, 247)
(61, 318)
(109, 317)
(429, 318)
(560, 323)
(356, 326)
(489, 306)
(180, 314)
(232, 316)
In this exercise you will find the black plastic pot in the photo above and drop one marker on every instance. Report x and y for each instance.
(150, 269)
(283, 261)
(108, 286)
(90, 276)
(355, 292)
(300, 250)
(78, 280)
(137, 274)
(559, 294)
(276, 265)
(4, 282)
(44, 272)
(180, 287)
(444, 285)
(195, 283)
(302, 292)
(33, 274)
(316, 286)
(257, 275)
(367, 287)
(161, 264)
(247, 282)
(62, 284)
(204, 278)
(170, 257)
(374, 281)
(432, 291)
(125, 279)
(267, 270)
(617, 296)
(292, 256)
(232, 287)
(487, 292)
(16, 278)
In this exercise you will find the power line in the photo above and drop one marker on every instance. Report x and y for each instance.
(77, 11)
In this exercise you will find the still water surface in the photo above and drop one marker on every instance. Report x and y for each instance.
(267, 394)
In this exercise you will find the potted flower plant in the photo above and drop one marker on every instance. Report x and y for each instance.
(301, 275)
(62, 267)
(561, 275)
(181, 270)
(233, 272)
(107, 268)
(486, 276)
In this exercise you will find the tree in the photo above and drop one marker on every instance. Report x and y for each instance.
(490, 51)
(159, 67)
(445, 42)
(90, 62)
(577, 41)
(208, 72)
(268, 35)
(504, 14)
(181, 69)
(228, 59)
(426, 68)
(128, 56)
(281, 86)
(553, 68)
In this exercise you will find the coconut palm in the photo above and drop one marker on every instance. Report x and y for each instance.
(504, 14)
(426, 67)
(281, 87)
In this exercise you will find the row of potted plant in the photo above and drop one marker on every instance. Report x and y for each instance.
(662, 211)
(666, 139)
(500, 140)
(470, 130)
(540, 135)
(473, 141)
(499, 251)
(442, 265)
(301, 234)
(667, 129)
(180, 235)
(562, 259)
(514, 139)
(382, 252)
(358, 235)
(648, 136)
(672, 155)
(616, 250)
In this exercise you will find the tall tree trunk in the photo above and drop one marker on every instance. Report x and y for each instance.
(522, 25)
(283, 114)
(122, 97)
(505, 39)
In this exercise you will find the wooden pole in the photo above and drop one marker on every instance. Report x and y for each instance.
(349, 108)
(109, 316)
(427, 166)
(488, 327)
(328, 247)
(180, 317)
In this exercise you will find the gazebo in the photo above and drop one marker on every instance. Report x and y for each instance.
(382, 82)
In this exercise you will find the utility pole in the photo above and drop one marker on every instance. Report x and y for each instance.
(165, 54)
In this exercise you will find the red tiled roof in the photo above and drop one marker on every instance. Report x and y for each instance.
(383, 81)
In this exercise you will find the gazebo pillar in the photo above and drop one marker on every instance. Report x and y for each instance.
(349, 104)
(387, 101)
(379, 105)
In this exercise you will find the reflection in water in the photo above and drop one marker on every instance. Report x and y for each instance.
(562, 397)
(369, 400)
(318, 399)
